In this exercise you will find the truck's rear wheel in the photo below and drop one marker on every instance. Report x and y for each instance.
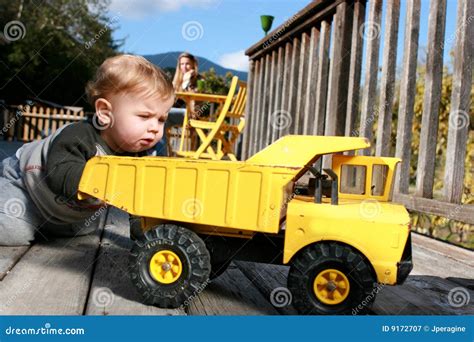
(170, 265)
(331, 279)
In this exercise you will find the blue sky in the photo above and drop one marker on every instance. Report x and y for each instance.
(221, 30)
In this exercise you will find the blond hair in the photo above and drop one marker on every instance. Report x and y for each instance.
(178, 75)
(128, 73)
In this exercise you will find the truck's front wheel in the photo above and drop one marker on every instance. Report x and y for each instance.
(331, 279)
(169, 266)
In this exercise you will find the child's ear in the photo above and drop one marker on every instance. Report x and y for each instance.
(103, 111)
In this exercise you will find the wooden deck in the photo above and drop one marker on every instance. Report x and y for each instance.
(88, 276)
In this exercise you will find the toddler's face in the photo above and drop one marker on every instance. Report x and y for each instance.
(137, 122)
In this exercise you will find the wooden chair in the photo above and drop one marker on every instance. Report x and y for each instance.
(233, 125)
(217, 138)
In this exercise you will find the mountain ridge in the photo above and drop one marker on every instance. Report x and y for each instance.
(168, 60)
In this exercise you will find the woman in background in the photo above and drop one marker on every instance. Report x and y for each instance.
(186, 75)
(185, 80)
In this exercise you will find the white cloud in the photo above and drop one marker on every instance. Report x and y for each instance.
(235, 60)
(142, 8)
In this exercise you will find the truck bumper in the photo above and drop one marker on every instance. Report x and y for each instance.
(405, 265)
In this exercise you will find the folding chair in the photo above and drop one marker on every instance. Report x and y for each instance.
(217, 137)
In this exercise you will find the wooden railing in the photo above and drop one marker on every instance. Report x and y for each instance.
(27, 123)
(305, 78)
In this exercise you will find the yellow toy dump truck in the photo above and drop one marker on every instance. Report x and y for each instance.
(338, 232)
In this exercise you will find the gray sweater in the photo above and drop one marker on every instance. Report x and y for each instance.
(52, 168)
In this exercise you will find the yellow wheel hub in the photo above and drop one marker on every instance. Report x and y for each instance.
(165, 266)
(331, 286)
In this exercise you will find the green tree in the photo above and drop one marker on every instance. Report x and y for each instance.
(51, 49)
(215, 84)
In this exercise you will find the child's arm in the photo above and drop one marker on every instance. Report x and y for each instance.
(67, 157)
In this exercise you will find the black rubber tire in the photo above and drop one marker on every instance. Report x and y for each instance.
(136, 232)
(317, 257)
(221, 254)
(195, 259)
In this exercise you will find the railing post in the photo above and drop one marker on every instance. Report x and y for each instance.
(459, 118)
(248, 107)
(407, 100)
(387, 84)
(372, 35)
(355, 69)
(431, 100)
(339, 70)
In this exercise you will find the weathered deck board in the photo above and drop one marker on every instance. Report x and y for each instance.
(426, 291)
(52, 278)
(8, 148)
(445, 249)
(268, 278)
(9, 257)
(231, 294)
(428, 262)
(400, 301)
(442, 295)
(112, 292)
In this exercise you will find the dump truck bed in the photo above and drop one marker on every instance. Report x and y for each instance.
(245, 195)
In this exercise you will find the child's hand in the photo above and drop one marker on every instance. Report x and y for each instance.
(82, 196)
(193, 114)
